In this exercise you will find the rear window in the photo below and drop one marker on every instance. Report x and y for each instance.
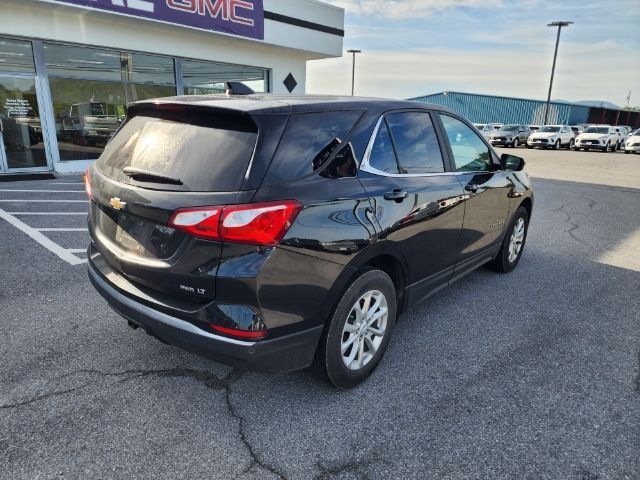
(205, 151)
(308, 142)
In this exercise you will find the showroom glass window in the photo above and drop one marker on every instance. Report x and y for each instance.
(202, 78)
(21, 131)
(90, 89)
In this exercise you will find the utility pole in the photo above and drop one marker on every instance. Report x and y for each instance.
(559, 24)
(353, 68)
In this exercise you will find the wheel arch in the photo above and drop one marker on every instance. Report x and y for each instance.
(527, 203)
(385, 257)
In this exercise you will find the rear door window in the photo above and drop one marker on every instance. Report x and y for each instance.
(416, 142)
(205, 151)
(308, 142)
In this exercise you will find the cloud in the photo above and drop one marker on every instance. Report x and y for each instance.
(407, 9)
(511, 73)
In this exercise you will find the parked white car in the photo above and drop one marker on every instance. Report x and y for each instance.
(632, 145)
(598, 137)
(577, 130)
(623, 131)
(552, 136)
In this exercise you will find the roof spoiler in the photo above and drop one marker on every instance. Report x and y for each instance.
(238, 88)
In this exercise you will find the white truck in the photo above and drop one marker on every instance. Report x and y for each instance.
(89, 123)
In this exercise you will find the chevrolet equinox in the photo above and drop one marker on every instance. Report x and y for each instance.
(274, 233)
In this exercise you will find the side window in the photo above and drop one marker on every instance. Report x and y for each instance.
(470, 153)
(382, 156)
(416, 142)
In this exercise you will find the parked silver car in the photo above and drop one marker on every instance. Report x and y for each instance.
(512, 135)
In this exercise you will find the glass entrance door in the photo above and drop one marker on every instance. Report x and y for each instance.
(21, 142)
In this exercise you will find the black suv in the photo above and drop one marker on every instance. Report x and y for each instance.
(273, 233)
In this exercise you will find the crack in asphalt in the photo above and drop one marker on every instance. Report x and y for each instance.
(572, 226)
(350, 466)
(209, 380)
(591, 201)
(231, 378)
(44, 396)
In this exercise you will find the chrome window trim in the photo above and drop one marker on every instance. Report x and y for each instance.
(366, 166)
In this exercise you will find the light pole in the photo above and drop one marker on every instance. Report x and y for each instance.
(353, 68)
(559, 24)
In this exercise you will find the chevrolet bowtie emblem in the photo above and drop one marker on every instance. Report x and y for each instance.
(116, 203)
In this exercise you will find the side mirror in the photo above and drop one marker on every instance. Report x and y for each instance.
(511, 162)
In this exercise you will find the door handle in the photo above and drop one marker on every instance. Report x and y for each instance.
(471, 187)
(396, 194)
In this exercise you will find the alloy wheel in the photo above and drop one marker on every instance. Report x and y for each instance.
(517, 237)
(364, 329)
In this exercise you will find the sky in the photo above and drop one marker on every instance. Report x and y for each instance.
(496, 47)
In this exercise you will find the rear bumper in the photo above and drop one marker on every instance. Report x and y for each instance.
(287, 353)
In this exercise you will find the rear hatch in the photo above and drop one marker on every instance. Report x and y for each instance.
(166, 157)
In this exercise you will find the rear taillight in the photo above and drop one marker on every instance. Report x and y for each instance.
(243, 334)
(87, 182)
(254, 223)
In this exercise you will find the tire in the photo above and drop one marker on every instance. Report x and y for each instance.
(626, 151)
(606, 149)
(571, 145)
(516, 143)
(529, 146)
(556, 146)
(329, 362)
(505, 261)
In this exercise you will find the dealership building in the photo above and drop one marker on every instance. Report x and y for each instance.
(496, 109)
(68, 68)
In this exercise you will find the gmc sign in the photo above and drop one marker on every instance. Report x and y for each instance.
(238, 17)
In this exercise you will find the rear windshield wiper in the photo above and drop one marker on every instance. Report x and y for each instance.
(146, 176)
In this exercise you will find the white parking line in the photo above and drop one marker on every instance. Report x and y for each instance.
(77, 250)
(42, 191)
(53, 247)
(47, 213)
(61, 229)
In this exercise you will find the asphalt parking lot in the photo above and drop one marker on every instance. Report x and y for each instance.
(534, 374)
